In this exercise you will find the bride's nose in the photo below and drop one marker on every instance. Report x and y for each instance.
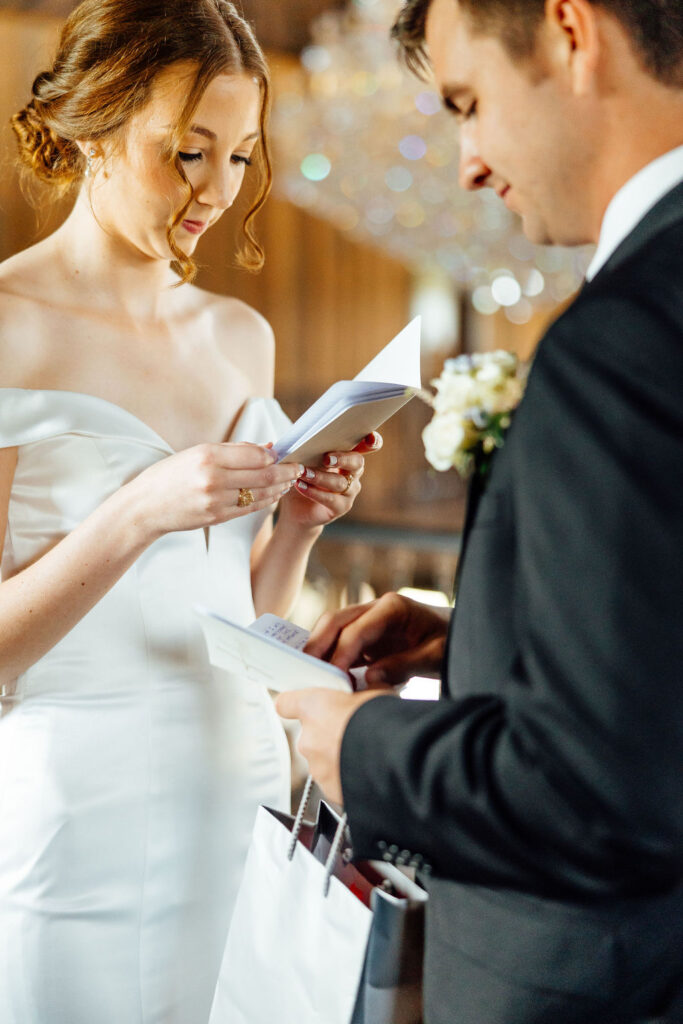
(220, 189)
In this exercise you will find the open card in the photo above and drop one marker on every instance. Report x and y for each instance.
(267, 652)
(351, 409)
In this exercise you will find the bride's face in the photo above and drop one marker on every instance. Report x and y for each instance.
(134, 192)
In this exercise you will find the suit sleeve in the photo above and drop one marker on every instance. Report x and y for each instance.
(566, 778)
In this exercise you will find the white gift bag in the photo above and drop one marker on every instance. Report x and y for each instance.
(302, 948)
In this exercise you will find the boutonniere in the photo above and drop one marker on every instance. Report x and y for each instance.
(475, 398)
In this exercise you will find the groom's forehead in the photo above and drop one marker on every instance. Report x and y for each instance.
(451, 40)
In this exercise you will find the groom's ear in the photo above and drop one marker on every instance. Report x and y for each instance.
(573, 40)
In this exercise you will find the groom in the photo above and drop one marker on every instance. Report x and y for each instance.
(545, 788)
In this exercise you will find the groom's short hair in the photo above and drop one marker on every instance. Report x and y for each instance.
(655, 28)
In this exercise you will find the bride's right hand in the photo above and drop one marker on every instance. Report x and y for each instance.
(200, 486)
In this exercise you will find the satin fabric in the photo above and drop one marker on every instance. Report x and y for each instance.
(131, 771)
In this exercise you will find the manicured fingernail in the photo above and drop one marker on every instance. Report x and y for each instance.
(310, 474)
(331, 460)
(302, 485)
(300, 470)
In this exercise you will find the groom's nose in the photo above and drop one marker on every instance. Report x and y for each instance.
(473, 173)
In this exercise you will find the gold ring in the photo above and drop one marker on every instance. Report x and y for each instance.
(245, 497)
(349, 477)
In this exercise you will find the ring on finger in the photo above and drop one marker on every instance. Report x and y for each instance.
(245, 497)
(349, 477)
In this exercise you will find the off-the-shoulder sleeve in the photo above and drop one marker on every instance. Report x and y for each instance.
(261, 420)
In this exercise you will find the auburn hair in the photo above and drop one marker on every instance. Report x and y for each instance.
(109, 55)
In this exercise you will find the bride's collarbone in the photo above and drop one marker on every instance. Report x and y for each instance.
(185, 389)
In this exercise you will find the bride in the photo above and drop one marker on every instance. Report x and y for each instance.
(135, 481)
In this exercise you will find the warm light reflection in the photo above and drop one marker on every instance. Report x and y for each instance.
(435, 598)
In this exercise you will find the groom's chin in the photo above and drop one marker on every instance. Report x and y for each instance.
(538, 231)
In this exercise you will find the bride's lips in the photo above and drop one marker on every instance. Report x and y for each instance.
(195, 227)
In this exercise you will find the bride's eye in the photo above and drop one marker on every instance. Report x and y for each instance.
(188, 158)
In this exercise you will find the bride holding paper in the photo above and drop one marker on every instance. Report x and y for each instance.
(136, 481)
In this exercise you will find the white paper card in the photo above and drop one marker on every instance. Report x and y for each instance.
(282, 630)
(264, 659)
(351, 409)
(399, 361)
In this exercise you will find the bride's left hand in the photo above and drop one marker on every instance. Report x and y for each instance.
(324, 494)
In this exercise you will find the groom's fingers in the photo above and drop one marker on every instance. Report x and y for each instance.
(397, 669)
(364, 631)
(323, 638)
(324, 715)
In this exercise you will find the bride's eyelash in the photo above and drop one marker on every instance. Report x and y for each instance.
(188, 158)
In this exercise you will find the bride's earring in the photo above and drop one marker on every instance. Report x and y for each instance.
(88, 163)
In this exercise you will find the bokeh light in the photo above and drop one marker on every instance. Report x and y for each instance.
(412, 147)
(398, 179)
(315, 167)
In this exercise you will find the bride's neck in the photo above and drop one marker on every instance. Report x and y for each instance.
(109, 270)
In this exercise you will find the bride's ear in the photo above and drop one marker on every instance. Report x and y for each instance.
(92, 152)
(88, 148)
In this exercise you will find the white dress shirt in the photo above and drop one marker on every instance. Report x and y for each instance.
(632, 202)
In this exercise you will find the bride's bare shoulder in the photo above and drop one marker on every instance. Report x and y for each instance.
(243, 336)
(24, 316)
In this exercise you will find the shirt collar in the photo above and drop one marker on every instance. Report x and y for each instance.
(632, 202)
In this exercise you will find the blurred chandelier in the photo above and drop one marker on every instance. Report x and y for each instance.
(366, 145)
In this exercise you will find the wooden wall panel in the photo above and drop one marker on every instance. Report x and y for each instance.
(27, 43)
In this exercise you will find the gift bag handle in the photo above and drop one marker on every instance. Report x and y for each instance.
(336, 842)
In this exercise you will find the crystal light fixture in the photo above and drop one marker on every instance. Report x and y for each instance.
(369, 147)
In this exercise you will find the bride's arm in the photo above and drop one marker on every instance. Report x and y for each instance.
(278, 565)
(193, 489)
(42, 603)
(280, 555)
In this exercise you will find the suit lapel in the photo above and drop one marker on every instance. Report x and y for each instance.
(474, 493)
(663, 214)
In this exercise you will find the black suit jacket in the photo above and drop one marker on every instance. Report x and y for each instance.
(545, 789)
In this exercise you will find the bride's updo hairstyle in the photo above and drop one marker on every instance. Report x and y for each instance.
(110, 53)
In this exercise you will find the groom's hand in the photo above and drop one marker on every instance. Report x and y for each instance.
(395, 637)
(324, 715)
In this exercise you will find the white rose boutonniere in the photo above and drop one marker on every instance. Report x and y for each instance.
(473, 405)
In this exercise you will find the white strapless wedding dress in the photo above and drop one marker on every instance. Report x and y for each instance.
(131, 772)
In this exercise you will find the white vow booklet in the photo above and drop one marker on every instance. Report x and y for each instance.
(268, 652)
(351, 409)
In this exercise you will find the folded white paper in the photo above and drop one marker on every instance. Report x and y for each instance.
(351, 409)
(267, 652)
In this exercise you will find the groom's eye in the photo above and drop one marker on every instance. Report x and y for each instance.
(460, 113)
